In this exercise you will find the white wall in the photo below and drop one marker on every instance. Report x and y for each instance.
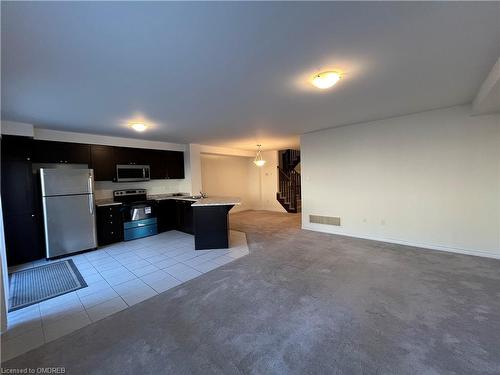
(269, 183)
(4, 285)
(430, 179)
(238, 176)
(229, 176)
(193, 170)
(17, 128)
(4, 281)
(226, 151)
(62, 136)
(104, 189)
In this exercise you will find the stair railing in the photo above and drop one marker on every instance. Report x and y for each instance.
(289, 185)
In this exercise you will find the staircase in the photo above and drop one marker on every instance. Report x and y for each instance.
(289, 180)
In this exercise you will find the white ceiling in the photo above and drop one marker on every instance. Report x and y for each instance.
(235, 74)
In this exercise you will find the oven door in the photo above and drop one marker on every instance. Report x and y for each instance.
(141, 211)
(127, 173)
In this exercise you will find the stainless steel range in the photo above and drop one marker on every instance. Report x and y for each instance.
(139, 213)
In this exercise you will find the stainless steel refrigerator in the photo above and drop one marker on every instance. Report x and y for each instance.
(68, 210)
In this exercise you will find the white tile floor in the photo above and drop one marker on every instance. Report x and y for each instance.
(118, 276)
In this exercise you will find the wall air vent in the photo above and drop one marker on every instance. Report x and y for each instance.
(327, 220)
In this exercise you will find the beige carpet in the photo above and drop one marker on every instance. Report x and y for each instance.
(302, 303)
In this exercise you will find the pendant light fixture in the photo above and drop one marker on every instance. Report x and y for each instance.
(258, 161)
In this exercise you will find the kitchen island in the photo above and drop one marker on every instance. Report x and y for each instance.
(211, 223)
(205, 218)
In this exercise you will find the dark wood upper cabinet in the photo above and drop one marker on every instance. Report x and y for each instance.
(175, 164)
(129, 155)
(17, 148)
(102, 161)
(158, 164)
(77, 153)
(61, 152)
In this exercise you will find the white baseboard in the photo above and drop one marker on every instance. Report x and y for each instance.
(485, 254)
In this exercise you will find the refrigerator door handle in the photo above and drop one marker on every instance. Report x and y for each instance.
(91, 205)
(90, 183)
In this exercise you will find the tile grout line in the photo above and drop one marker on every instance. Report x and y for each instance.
(151, 248)
(111, 288)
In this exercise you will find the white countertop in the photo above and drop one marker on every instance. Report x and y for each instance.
(106, 202)
(217, 201)
(162, 197)
(210, 201)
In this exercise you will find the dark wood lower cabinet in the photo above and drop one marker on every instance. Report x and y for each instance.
(166, 215)
(175, 214)
(109, 221)
(22, 239)
(185, 216)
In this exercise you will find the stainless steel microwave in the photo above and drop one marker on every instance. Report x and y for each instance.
(132, 172)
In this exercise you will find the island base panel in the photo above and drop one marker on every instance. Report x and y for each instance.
(211, 227)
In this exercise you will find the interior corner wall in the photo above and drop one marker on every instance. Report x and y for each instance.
(430, 179)
(193, 168)
(269, 183)
(229, 175)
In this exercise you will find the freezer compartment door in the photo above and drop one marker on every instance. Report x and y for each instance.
(65, 181)
(69, 224)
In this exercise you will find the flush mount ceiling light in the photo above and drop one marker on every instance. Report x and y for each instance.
(325, 80)
(258, 161)
(138, 126)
